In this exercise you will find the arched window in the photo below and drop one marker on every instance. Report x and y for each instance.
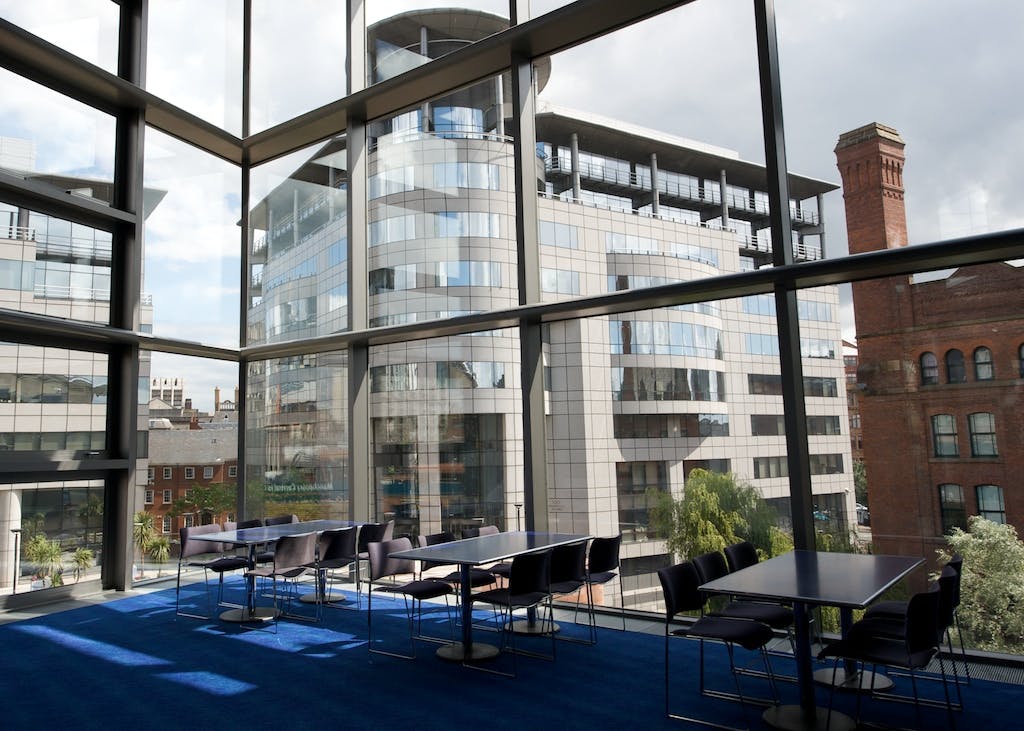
(983, 364)
(955, 371)
(929, 369)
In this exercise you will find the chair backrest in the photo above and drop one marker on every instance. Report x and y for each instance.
(251, 523)
(335, 544)
(740, 555)
(281, 520)
(710, 566)
(530, 573)
(483, 530)
(949, 594)
(679, 588)
(437, 538)
(374, 533)
(192, 547)
(294, 551)
(957, 564)
(922, 622)
(604, 554)
(569, 563)
(382, 565)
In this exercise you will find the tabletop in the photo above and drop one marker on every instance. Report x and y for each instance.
(851, 580)
(268, 533)
(488, 549)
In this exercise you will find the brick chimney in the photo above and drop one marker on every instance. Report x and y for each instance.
(870, 161)
(216, 399)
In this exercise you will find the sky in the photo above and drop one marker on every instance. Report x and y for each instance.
(946, 75)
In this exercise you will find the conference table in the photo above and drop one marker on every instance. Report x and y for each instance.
(252, 538)
(479, 551)
(808, 579)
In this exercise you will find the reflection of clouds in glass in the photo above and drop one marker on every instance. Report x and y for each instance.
(965, 213)
(86, 28)
(200, 375)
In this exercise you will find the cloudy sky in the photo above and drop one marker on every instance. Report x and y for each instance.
(947, 75)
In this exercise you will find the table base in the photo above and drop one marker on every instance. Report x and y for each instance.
(456, 652)
(331, 597)
(260, 614)
(865, 681)
(794, 718)
(532, 627)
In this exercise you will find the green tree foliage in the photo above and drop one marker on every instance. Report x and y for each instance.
(46, 556)
(159, 549)
(143, 533)
(860, 482)
(716, 509)
(82, 560)
(210, 501)
(991, 608)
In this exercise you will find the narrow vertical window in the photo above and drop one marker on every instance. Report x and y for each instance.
(944, 436)
(951, 508)
(990, 503)
(929, 369)
(983, 370)
(983, 434)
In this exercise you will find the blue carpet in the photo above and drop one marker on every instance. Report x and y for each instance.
(132, 661)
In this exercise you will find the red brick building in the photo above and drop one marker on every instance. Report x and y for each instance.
(940, 374)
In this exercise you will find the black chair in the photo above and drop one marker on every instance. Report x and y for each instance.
(913, 649)
(369, 533)
(262, 553)
(680, 587)
(569, 577)
(336, 549)
(483, 530)
(478, 576)
(712, 565)
(896, 609)
(602, 568)
(434, 539)
(528, 588)
(740, 555)
(209, 556)
(293, 556)
(382, 567)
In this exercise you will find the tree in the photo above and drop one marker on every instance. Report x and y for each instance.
(210, 501)
(143, 532)
(991, 608)
(93, 508)
(716, 509)
(159, 550)
(860, 482)
(82, 560)
(46, 555)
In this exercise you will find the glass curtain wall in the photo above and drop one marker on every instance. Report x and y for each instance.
(413, 258)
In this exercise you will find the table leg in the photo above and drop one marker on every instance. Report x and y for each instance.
(250, 613)
(467, 649)
(807, 716)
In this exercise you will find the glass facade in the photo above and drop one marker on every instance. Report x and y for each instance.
(377, 287)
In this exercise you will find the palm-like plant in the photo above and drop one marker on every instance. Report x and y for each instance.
(82, 560)
(143, 533)
(45, 554)
(159, 550)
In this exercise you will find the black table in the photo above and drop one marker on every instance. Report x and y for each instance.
(807, 579)
(253, 537)
(470, 552)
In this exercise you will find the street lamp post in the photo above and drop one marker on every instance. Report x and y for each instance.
(14, 563)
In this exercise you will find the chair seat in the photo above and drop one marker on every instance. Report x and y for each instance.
(266, 572)
(504, 570)
(477, 577)
(222, 564)
(880, 650)
(420, 589)
(334, 563)
(602, 577)
(743, 632)
(774, 615)
(567, 587)
(506, 598)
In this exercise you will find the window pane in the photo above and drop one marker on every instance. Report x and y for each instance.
(55, 141)
(441, 231)
(186, 73)
(298, 260)
(87, 28)
(192, 243)
(282, 85)
(445, 451)
(297, 437)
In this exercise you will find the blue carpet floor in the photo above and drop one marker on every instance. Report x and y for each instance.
(130, 662)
